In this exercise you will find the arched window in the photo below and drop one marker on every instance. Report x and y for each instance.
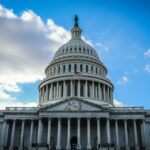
(87, 68)
(64, 68)
(81, 67)
(69, 68)
(75, 67)
(83, 50)
(54, 71)
(79, 49)
(75, 49)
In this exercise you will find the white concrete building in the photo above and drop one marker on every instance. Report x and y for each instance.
(76, 109)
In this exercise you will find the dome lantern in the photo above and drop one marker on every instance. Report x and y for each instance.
(76, 31)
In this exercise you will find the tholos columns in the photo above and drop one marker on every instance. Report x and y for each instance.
(58, 146)
(68, 147)
(88, 134)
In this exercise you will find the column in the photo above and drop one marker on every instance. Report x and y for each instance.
(68, 147)
(60, 89)
(93, 89)
(85, 89)
(72, 89)
(12, 135)
(22, 134)
(64, 89)
(98, 133)
(99, 91)
(117, 135)
(78, 88)
(31, 132)
(126, 134)
(43, 88)
(3, 132)
(78, 135)
(88, 134)
(135, 134)
(108, 130)
(39, 131)
(58, 146)
(143, 133)
(57, 93)
(52, 91)
(104, 96)
(49, 133)
(47, 92)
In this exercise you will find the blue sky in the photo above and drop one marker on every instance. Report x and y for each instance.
(119, 30)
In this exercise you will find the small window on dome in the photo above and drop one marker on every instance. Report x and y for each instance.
(75, 67)
(96, 70)
(63, 50)
(87, 68)
(58, 69)
(81, 68)
(79, 49)
(64, 68)
(88, 50)
(69, 67)
(67, 50)
(91, 69)
(83, 50)
(91, 52)
(70, 50)
(75, 49)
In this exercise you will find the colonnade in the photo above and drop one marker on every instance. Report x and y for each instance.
(79, 88)
(59, 133)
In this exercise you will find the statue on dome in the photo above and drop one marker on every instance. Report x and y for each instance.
(76, 21)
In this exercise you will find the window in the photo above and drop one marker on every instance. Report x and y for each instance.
(64, 68)
(68, 89)
(58, 69)
(83, 50)
(69, 67)
(81, 68)
(91, 69)
(76, 88)
(87, 68)
(96, 70)
(79, 49)
(54, 71)
(75, 49)
(88, 90)
(75, 67)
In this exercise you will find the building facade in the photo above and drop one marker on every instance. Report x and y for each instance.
(75, 109)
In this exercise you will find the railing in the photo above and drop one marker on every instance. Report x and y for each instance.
(128, 108)
(21, 108)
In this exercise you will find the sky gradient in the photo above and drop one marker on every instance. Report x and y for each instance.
(32, 30)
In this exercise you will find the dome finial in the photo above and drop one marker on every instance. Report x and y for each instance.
(75, 21)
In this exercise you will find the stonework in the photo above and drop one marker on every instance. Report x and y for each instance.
(75, 109)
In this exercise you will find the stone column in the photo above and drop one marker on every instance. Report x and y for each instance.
(93, 90)
(39, 131)
(78, 88)
(12, 135)
(31, 132)
(47, 93)
(52, 90)
(143, 133)
(49, 133)
(104, 94)
(58, 146)
(108, 130)
(68, 147)
(78, 135)
(57, 93)
(117, 135)
(43, 88)
(99, 92)
(88, 134)
(126, 134)
(85, 89)
(22, 135)
(3, 133)
(60, 89)
(64, 89)
(98, 133)
(135, 134)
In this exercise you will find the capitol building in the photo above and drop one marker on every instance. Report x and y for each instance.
(76, 109)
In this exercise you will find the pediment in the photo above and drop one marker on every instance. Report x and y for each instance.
(73, 104)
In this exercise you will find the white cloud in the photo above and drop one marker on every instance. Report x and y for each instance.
(102, 47)
(147, 53)
(27, 45)
(118, 103)
(124, 79)
(15, 103)
(147, 68)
